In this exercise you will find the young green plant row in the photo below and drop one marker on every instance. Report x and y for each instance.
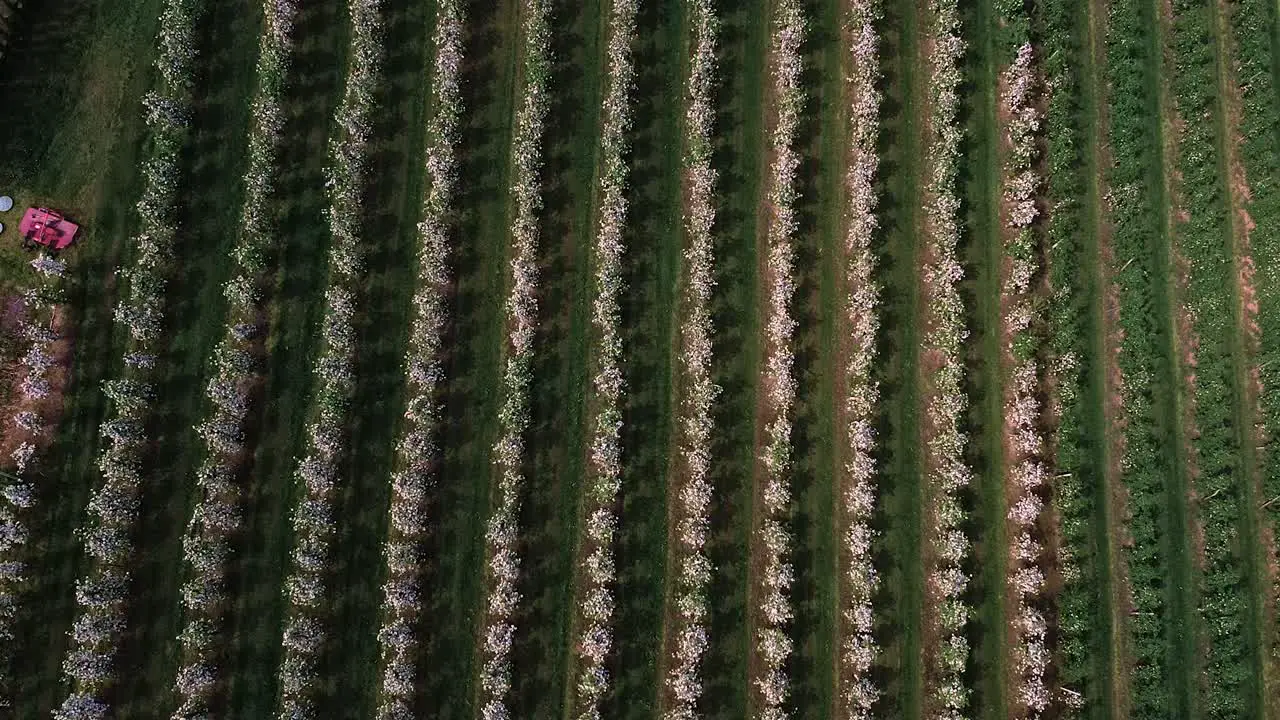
(1083, 372)
(1225, 478)
(1257, 62)
(1153, 467)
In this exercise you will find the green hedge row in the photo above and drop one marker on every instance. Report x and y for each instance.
(1152, 468)
(1255, 30)
(1204, 242)
(1074, 358)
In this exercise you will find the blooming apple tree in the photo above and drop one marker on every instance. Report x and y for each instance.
(694, 493)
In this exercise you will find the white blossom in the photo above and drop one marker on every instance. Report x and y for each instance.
(682, 674)
(858, 650)
(773, 596)
(317, 472)
(944, 335)
(415, 448)
(595, 632)
(1026, 472)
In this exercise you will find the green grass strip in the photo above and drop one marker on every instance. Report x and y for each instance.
(473, 366)
(651, 313)
(985, 371)
(899, 554)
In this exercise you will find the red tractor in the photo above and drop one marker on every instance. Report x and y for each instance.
(42, 226)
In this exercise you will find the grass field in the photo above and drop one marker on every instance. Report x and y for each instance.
(987, 371)
(649, 318)
(736, 310)
(901, 509)
(1155, 333)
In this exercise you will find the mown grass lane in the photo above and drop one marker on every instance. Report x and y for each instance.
(649, 325)
(207, 217)
(900, 520)
(277, 433)
(739, 157)
(472, 370)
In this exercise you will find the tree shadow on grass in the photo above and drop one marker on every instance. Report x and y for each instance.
(473, 341)
(654, 241)
(899, 514)
(351, 667)
(978, 185)
(735, 311)
(555, 457)
(277, 430)
(819, 310)
(211, 202)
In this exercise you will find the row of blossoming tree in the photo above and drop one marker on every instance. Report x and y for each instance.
(102, 593)
(416, 454)
(27, 432)
(1025, 469)
(501, 533)
(306, 630)
(773, 541)
(857, 692)
(685, 643)
(594, 637)
(945, 472)
(216, 515)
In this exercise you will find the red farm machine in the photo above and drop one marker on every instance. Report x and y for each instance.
(47, 228)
